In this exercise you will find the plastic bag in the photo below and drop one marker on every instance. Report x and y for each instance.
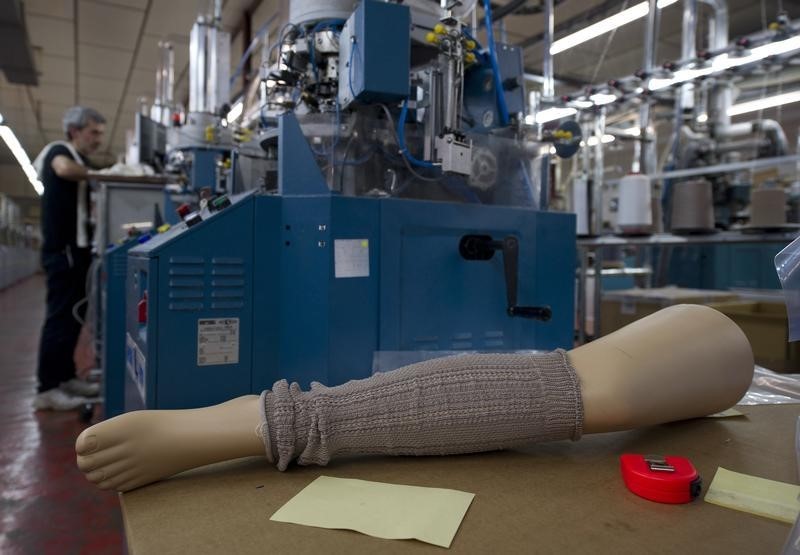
(787, 264)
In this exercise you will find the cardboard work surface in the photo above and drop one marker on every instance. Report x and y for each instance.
(563, 497)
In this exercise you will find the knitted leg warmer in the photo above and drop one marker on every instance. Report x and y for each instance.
(459, 404)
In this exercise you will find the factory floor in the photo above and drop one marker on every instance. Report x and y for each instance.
(46, 506)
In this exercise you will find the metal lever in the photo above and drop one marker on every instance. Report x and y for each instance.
(482, 247)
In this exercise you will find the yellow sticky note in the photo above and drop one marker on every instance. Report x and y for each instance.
(726, 414)
(387, 511)
(758, 496)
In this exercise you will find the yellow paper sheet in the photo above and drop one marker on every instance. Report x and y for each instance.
(758, 496)
(381, 510)
(726, 414)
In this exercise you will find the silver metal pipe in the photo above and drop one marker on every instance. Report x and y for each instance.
(209, 67)
(645, 150)
(741, 145)
(168, 81)
(735, 130)
(728, 168)
(450, 90)
(598, 173)
(548, 87)
(722, 93)
(773, 131)
(688, 49)
(433, 116)
(718, 31)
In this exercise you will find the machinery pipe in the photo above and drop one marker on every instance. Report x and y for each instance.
(688, 50)
(740, 145)
(598, 173)
(722, 93)
(718, 31)
(548, 87)
(772, 130)
(644, 151)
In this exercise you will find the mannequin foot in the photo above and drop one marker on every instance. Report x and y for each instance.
(138, 448)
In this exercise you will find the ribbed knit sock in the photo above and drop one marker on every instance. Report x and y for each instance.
(459, 404)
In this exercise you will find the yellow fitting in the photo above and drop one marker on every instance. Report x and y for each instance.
(432, 38)
(210, 132)
(439, 29)
(227, 163)
(562, 134)
(163, 228)
(774, 26)
(470, 44)
(469, 57)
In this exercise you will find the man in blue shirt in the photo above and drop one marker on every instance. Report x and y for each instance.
(66, 257)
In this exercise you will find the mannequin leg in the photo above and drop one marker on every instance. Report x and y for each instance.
(137, 448)
(682, 362)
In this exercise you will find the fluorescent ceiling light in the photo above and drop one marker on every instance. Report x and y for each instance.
(764, 103)
(582, 104)
(725, 61)
(605, 139)
(702, 118)
(606, 25)
(235, 112)
(552, 114)
(633, 131)
(22, 158)
(603, 98)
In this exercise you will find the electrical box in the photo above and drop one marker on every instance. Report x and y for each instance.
(374, 54)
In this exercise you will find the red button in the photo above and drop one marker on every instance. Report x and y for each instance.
(183, 210)
(142, 308)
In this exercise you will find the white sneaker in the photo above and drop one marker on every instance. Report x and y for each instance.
(80, 387)
(58, 399)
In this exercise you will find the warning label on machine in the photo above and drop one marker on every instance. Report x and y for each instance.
(351, 258)
(217, 341)
(136, 365)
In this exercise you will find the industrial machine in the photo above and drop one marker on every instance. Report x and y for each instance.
(399, 214)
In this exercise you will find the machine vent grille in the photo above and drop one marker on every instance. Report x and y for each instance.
(186, 283)
(494, 339)
(227, 282)
(119, 266)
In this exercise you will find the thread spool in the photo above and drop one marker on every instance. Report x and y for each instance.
(634, 209)
(580, 204)
(768, 208)
(692, 207)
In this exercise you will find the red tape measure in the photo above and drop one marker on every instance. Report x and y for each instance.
(663, 479)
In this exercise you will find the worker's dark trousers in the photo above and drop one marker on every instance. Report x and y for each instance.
(66, 286)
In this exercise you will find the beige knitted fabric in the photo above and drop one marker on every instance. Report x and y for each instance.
(459, 404)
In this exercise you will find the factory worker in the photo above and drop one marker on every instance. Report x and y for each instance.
(66, 256)
(682, 362)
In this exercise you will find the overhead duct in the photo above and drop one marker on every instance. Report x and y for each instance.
(16, 56)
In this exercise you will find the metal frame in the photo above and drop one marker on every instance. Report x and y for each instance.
(598, 245)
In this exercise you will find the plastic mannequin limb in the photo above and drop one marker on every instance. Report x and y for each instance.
(682, 362)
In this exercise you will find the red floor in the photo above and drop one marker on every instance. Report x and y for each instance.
(46, 506)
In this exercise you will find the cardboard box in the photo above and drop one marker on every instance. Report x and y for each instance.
(766, 326)
(620, 308)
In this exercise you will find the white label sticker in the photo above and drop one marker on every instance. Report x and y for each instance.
(351, 258)
(217, 341)
(136, 365)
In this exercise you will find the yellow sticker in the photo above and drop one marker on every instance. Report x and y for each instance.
(754, 495)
